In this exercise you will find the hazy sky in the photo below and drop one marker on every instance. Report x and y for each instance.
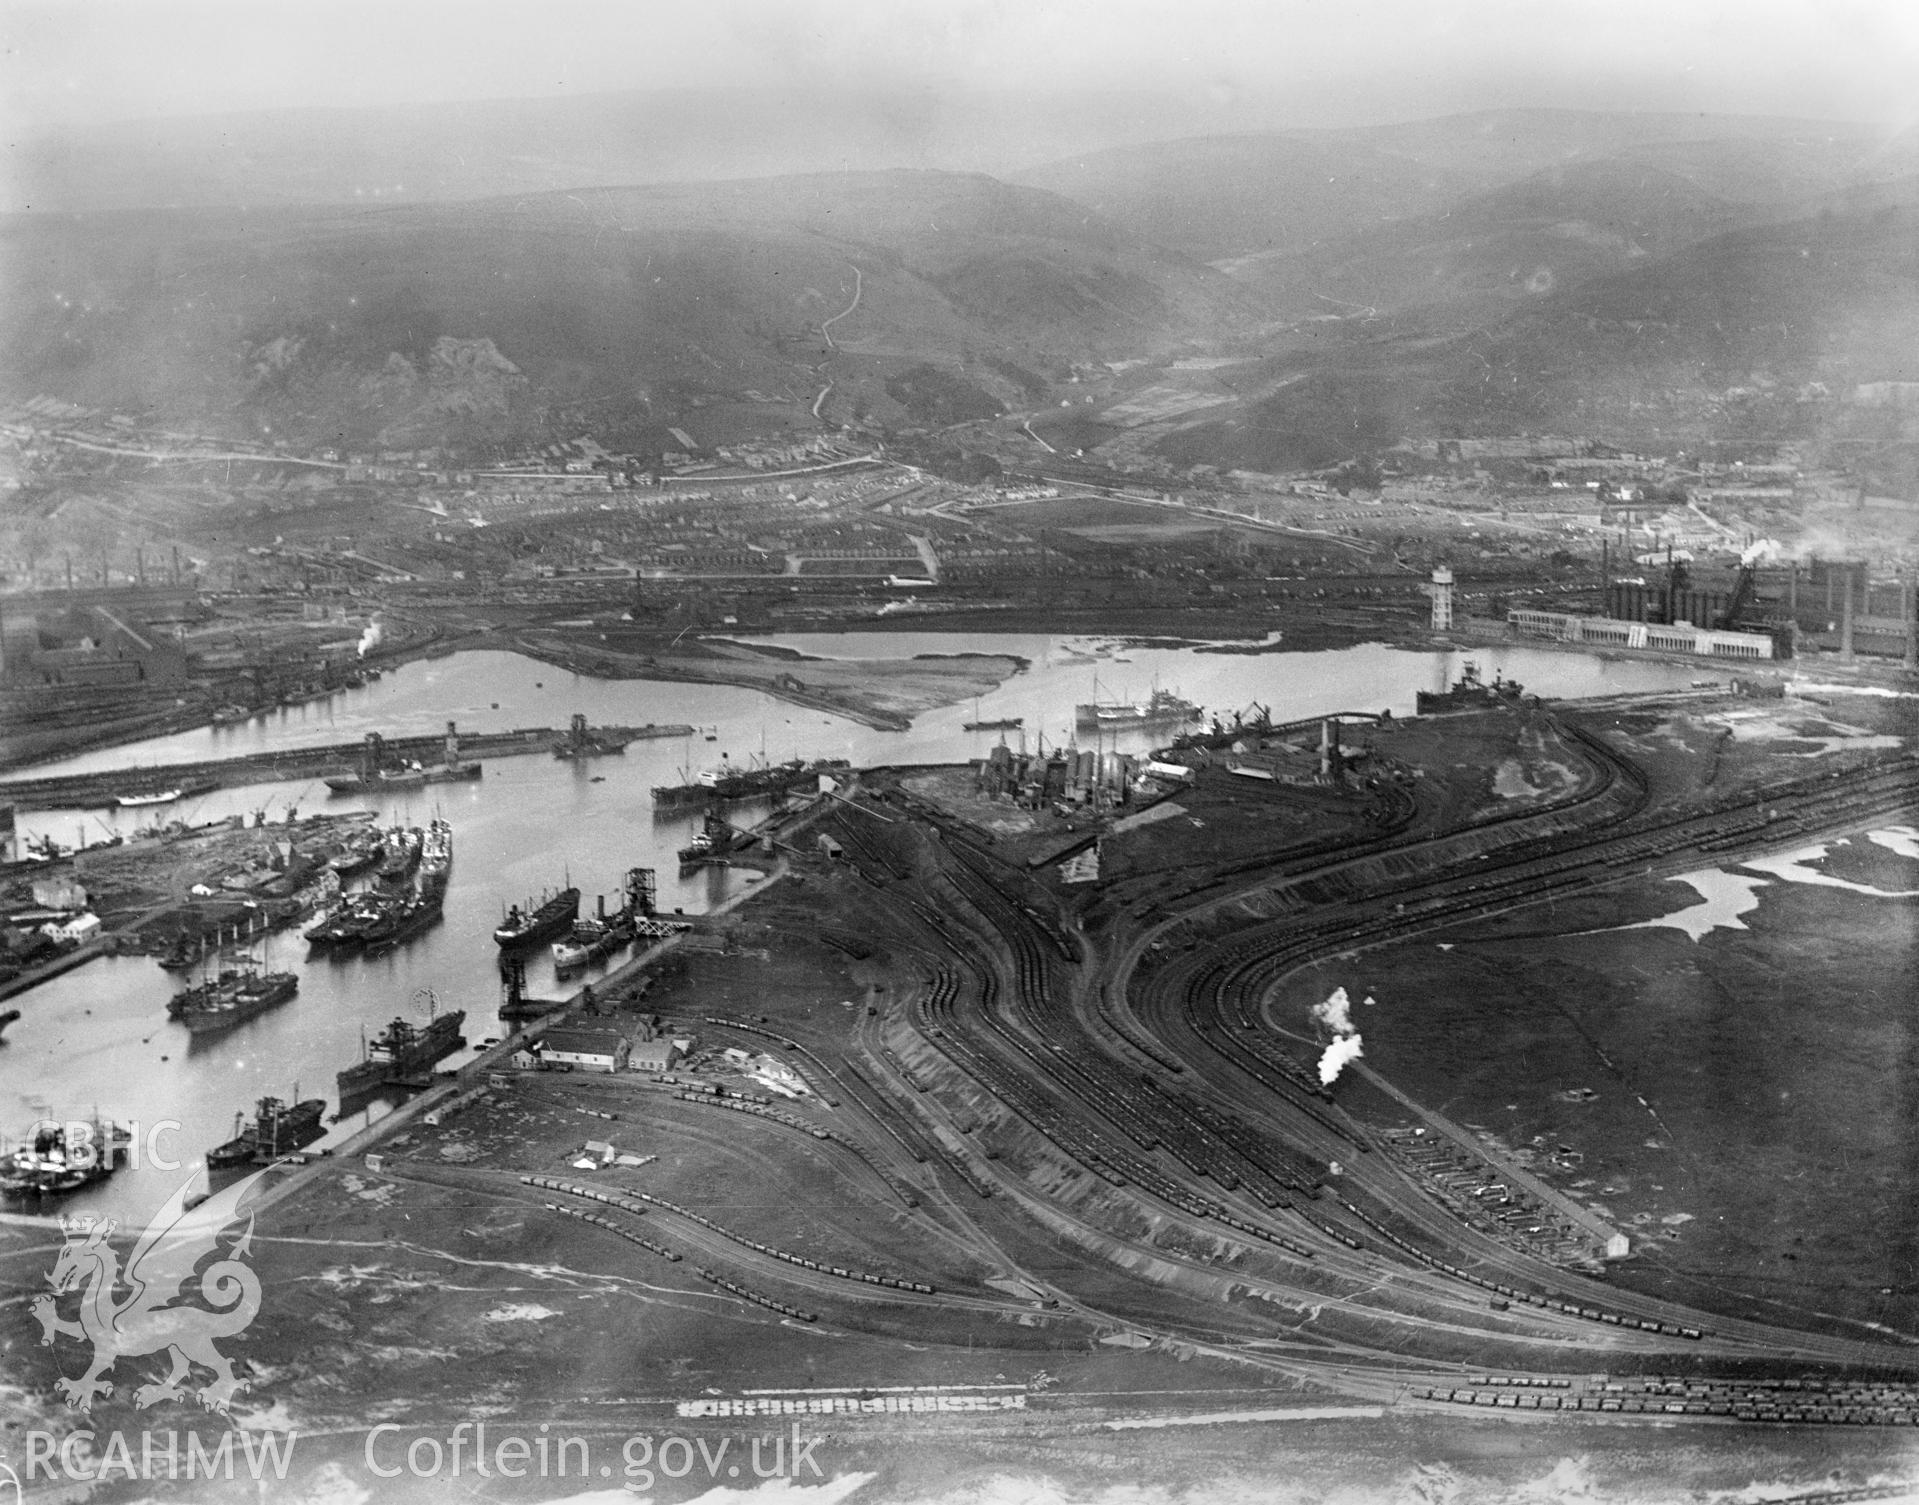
(1336, 61)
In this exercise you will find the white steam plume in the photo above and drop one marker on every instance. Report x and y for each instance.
(370, 639)
(1336, 1013)
(1760, 550)
(1343, 1049)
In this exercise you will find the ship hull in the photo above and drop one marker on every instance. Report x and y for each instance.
(551, 920)
(410, 921)
(275, 990)
(755, 784)
(270, 1136)
(1122, 718)
(434, 1043)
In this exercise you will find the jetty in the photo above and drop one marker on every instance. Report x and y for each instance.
(85, 791)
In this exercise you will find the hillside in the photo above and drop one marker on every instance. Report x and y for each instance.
(1763, 332)
(1289, 191)
(476, 149)
(1741, 158)
(1225, 196)
(1776, 319)
(420, 322)
(1514, 245)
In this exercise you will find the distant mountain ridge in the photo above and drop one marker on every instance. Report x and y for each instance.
(480, 149)
(1474, 273)
(334, 322)
(1220, 197)
(1762, 332)
(1486, 253)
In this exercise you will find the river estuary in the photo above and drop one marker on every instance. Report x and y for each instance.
(98, 1037)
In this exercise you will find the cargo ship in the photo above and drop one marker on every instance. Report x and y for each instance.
(715, 842)
(583, 741)
(436, 855)
(277, 1129)
(602, 934)
(49, 1166)
(730, 782)
(1469, 693)
(361, 851)
(1162, 709)
(529, 926)
(403, 1052)
(384, 778)
(232, 998)
(375, 773)
(348, 923)
(591, 941)
(412, 915)
(980, 724)
(400, 853)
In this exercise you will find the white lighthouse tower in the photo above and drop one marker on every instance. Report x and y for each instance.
(1442, 593)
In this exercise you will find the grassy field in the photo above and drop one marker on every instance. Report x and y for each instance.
(1745, 1104)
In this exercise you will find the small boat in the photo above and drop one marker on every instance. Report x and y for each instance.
(153, 797)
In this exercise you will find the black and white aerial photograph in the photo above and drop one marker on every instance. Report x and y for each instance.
(959, 752)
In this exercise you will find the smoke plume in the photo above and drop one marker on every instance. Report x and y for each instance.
(1343, 1049)
(1760, 550)
(370, 639)
(1336, 1013)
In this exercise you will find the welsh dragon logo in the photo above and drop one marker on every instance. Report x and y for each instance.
(146, 1309)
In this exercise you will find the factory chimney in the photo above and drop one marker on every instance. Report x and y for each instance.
(1845, 616)
(1908, 600)
(1330, 762)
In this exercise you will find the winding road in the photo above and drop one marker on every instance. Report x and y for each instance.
(826, 326)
